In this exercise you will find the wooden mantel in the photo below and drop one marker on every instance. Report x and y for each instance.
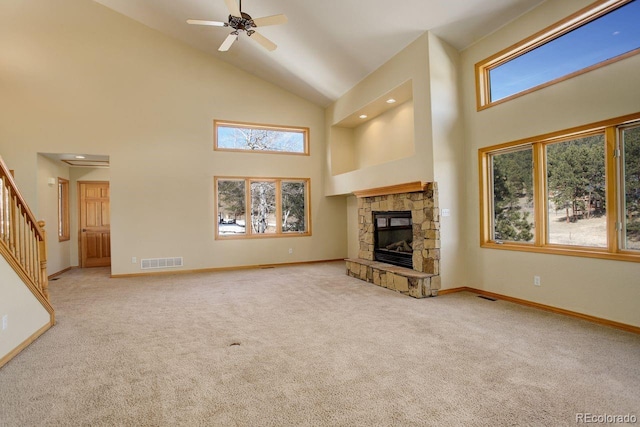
(410, 187)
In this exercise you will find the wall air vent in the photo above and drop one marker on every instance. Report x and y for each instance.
(149, 263)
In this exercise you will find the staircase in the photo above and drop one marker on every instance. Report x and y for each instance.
(23, 247)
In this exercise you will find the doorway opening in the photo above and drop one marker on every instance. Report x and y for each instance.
(73, 247)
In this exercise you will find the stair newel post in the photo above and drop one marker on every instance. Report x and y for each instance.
(44, 280)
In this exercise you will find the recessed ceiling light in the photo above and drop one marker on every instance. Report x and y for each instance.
(80, 157)
(390, 101)
(363, 116)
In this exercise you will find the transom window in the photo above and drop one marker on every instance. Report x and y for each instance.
(235, 136)
(575, 192)
(262, 207)
(602, 33)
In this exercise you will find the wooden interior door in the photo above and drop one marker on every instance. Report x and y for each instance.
(95, 228)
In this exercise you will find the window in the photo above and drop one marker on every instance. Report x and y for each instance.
(63, 210)
(630, 187)
(263, 207)
(574, 192)
(576, 213)
(233, 136)
(232, 207)
(277, 207)
(512, 185)
(602, 33)
(294, 201)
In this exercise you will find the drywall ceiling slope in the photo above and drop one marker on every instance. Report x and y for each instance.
(327, 46)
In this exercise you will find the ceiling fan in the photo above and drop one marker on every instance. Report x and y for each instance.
(240, 21)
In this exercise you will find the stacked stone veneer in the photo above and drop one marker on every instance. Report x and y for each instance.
(424, 279)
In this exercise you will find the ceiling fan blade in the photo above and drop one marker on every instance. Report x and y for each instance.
(270, 20)
(263, 41)
(226, 44)
(210, 23)
(232, 5)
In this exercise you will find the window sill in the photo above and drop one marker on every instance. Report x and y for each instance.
(564, 250)
(261, 236)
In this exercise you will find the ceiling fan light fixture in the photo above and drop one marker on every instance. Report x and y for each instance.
(240, 21)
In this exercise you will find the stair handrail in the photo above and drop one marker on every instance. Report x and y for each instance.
(23, 240)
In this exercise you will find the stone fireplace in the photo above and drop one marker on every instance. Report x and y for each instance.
(399, 222)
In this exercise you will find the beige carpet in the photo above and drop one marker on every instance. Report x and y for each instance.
(315, 348)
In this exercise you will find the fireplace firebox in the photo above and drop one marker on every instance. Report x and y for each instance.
(393, 238)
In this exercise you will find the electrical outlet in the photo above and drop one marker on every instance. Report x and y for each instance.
(134, 260)
(446, 212)
(536, 280)
(290, 251)
(5, 321)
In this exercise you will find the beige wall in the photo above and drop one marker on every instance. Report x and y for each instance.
(430, 126)
(448, 158)
(25, 314)
(352, 226)
(607, 289)
(343, 151)
(78, 77)
(47, 210)
(386, 138)
(410, 64)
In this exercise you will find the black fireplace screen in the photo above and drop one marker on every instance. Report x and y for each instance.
(394, 237)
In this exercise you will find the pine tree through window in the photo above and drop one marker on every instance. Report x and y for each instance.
(571, 192)
(576, 213)
(631, 187)
(513, 196)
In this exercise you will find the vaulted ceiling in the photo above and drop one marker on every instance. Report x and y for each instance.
(327, 46)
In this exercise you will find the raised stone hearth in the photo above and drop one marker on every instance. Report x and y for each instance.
(401, 279)
(421, 199)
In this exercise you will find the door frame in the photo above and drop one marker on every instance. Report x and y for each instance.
(79, 221)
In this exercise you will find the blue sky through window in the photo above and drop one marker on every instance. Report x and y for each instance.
(611, 35)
